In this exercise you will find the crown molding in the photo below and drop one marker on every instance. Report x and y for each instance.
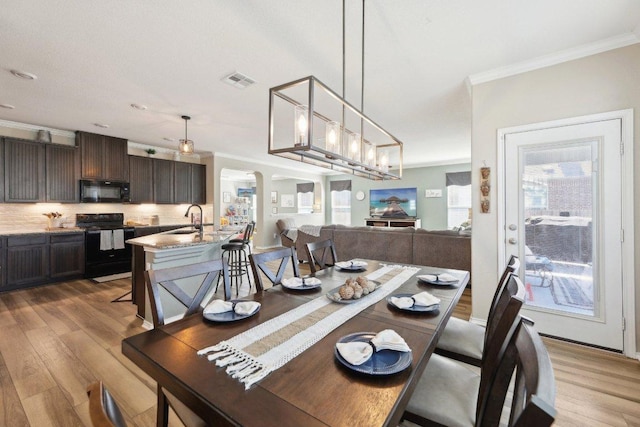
(36, 128)
(556, 58)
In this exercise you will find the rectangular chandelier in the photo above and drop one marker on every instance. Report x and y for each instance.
(310, 123)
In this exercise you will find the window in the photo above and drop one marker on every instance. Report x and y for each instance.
(458, 198)
(340, 202)
(305, 197)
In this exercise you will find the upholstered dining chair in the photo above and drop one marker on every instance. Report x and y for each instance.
(273, 265)
(463, 340)
(321, 254)
(103, 409)
(454, 394)
(206, 273)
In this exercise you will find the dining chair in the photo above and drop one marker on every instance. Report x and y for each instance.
(533, 399)
(321, 254)
(451, 393)
(206, 273)
(103, 409)
(266, 264)
(463, 340)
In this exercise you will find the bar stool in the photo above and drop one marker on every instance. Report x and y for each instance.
(236, 253)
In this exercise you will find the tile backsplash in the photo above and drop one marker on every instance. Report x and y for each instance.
(30, 215)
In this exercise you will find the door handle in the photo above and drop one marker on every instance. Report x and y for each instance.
(513, 241)
(513, 227)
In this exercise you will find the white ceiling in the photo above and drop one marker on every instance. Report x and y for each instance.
(94, 59)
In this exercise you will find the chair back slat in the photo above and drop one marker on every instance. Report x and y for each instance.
(166, 279)
(264, 263)
(503, 322)
(321, 254)
(534, 391)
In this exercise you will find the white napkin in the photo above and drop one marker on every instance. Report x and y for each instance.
(357, 352)
(423, 299)
(351, 264)
(296, 282)
(218, 306)
(441, 277)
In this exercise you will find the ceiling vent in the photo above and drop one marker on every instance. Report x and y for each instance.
(238, 80)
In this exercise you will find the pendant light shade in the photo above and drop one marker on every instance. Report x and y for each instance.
(186, 145)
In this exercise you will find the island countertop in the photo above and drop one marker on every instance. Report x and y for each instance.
(181, 239)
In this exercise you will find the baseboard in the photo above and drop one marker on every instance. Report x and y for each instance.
(481, 322)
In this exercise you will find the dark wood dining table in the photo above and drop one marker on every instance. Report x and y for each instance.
(313, 389)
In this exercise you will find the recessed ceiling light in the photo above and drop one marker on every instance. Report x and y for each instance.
(24, 75)
(139, 106)
(170, 139)
(101, 125)
(7, 106)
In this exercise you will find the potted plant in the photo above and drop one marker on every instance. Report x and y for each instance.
(150, 151)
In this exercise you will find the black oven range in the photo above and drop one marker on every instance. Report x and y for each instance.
(106, 252)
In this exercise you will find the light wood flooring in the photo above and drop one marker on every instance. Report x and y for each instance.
(56, 339)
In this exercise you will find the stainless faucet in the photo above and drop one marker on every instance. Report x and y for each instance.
(199, 227)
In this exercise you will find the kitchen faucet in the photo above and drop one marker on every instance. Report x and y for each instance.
(199, 226)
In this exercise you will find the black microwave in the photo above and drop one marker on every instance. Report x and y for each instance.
(104, 191)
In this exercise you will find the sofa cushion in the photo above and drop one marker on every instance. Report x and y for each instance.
(442, 250)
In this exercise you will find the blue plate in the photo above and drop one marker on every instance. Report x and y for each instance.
(351, 266)
(416, 308)
(383, 362)
(229, 316)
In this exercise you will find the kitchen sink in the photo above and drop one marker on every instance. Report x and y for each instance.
(183, 232)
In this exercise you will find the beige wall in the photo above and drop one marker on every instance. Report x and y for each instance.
(605, 82)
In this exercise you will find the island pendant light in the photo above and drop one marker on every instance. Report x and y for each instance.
(186, 145)
(310, 123)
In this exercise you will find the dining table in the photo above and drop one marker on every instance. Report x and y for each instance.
(314, 388)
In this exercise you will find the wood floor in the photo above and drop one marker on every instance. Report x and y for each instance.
(56, 339)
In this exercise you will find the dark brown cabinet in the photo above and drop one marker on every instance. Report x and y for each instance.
(27, 260)
(34, 259)
(163, 180)
(2, 174)
(66, 255)
(141, 179)
(182, 183)
(198, 184)
(103, 157)
(24, 171)
(62, 173)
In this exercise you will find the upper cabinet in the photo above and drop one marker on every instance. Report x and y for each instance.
(198, 184)
(141, 179)
(62, 172)
(163, 180)
(24, 171)
(103, 157)
(37, 172)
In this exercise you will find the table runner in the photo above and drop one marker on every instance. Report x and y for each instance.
(252, 355)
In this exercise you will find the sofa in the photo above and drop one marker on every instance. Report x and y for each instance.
(437, 248)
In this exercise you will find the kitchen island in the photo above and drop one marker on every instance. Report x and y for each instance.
(170, 249)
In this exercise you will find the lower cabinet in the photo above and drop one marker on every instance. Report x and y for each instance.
(35, 259)
(27, 260)
(66, 255)
(3, 262)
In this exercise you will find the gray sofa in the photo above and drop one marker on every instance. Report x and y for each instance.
(440, 248)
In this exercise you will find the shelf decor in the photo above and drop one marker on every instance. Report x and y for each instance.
(310, 123)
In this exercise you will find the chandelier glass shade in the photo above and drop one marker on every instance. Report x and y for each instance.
(329, 132)
(185, 145)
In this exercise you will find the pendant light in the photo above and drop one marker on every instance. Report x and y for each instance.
(327, 130)
(186, 145)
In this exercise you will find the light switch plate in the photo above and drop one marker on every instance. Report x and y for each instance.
(432, 193)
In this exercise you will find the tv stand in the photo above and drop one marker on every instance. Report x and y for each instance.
(393, 222)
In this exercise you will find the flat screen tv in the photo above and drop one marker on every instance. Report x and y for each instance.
(393, 203)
